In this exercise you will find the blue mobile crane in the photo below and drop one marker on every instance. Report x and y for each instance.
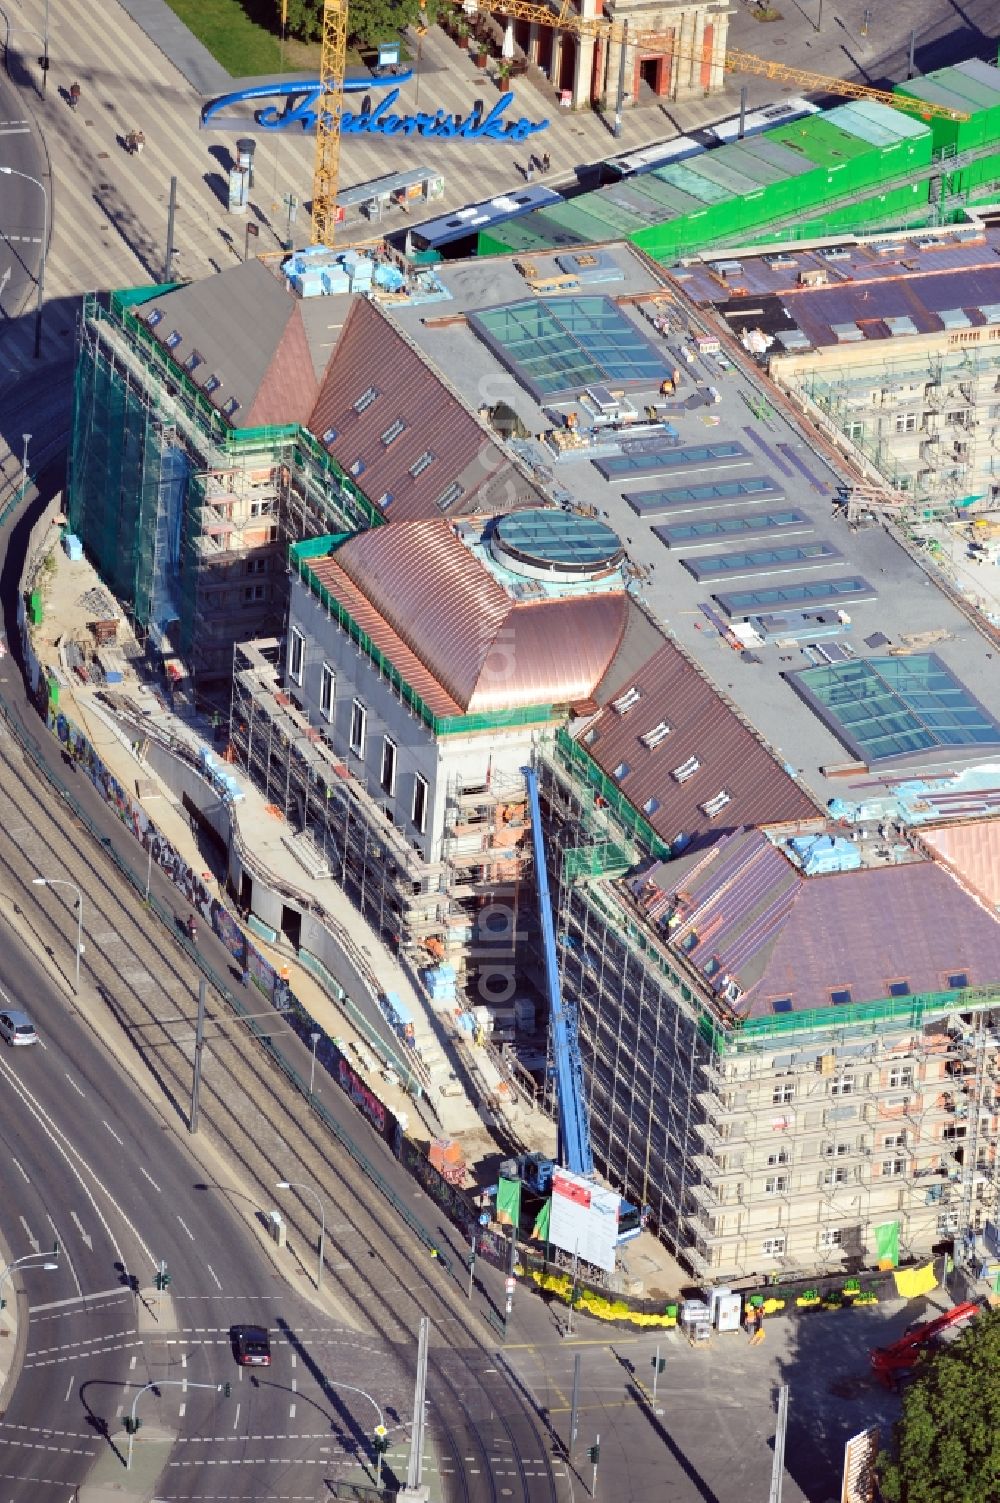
(575, 1151)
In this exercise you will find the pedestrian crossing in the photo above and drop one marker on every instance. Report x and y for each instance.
(109, 208)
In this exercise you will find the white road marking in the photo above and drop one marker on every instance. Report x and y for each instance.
(113, 1133)
(73, 1157)
(236, 1416)
(184, 1359)
(33, 1242)
(60, 1304)
(295, 1385)
(186, 1227)
(64, 1252)
(215, 1276)
(152, 1181)
(132, 1363)
(69, 1388)
(180, 1410)
(87, 1238)
(20, 1171)
(74, 1084)
(291, 1411)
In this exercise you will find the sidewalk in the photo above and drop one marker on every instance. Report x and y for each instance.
(367, 968)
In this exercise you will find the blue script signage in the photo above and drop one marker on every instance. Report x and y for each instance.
(301, 97)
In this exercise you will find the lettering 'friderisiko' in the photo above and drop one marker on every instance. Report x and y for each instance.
(301, 99)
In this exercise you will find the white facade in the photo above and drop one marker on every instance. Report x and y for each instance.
(406, 768)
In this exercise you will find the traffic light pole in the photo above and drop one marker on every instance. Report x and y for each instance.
(595, 1456)
(132, 1424)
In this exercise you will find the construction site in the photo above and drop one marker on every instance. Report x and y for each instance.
(187, 515)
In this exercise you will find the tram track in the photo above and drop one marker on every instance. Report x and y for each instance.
(252, 1115)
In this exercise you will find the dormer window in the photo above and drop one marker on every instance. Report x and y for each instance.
(193, 361)
(627, 701)
(714, 806)
(329, 436)
(212, 384)
(659, 733)
(154, 318)
(365, 400)
(393, 432)
(173, 339)
(231, 407)
(686, 770)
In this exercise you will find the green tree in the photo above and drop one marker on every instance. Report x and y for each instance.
(947, 1443)
(368, 21)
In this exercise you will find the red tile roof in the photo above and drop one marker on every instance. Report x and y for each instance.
(372, 355)
(731, 758)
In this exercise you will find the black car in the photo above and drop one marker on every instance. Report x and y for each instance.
(251, 1346)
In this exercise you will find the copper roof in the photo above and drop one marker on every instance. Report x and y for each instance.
(484, 650)
(668, 690)
(972, 851)
(384, 637)
(438, 456)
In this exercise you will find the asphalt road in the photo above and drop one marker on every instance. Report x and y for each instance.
(23, 211)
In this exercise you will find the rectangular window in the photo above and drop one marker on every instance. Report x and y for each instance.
(893, 1168)
(627, 701)
(776, 1159)
(329, 436)
(836, 1176)
(212, 384)
(842, 1087)
(900, 1078)
(418, 811)
(193, 361)
(327, 681)
(659, 733)
(894, 1140)
(715, 805)
(454, 493)
(958, 980)
(253, 592)
(776, 1184)
(651, 805)
(359, 728)
(782, 1094)
(906, 422)
(831, 1236)
(621, 771)
(836, 1150)
(421, 463)
(387, 777)
(686, 770)
(365, 400)
(296, 655)
(393, 432)
(773, 1247)
(173, 339)
(855, 431)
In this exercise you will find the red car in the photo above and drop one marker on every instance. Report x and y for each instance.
(251, 1346)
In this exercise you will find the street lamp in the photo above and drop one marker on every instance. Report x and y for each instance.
(13, 172)
(291, 1184)
(314, 1039)
(132, 1425)
(64, 882)
(28, 1257)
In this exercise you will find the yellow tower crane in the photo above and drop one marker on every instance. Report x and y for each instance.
(324, 206)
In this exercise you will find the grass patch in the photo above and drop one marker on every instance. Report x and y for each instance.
(243, 47)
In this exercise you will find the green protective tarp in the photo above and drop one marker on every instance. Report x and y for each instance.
(540, 1230)
(887, 1243)
(509, 1201)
